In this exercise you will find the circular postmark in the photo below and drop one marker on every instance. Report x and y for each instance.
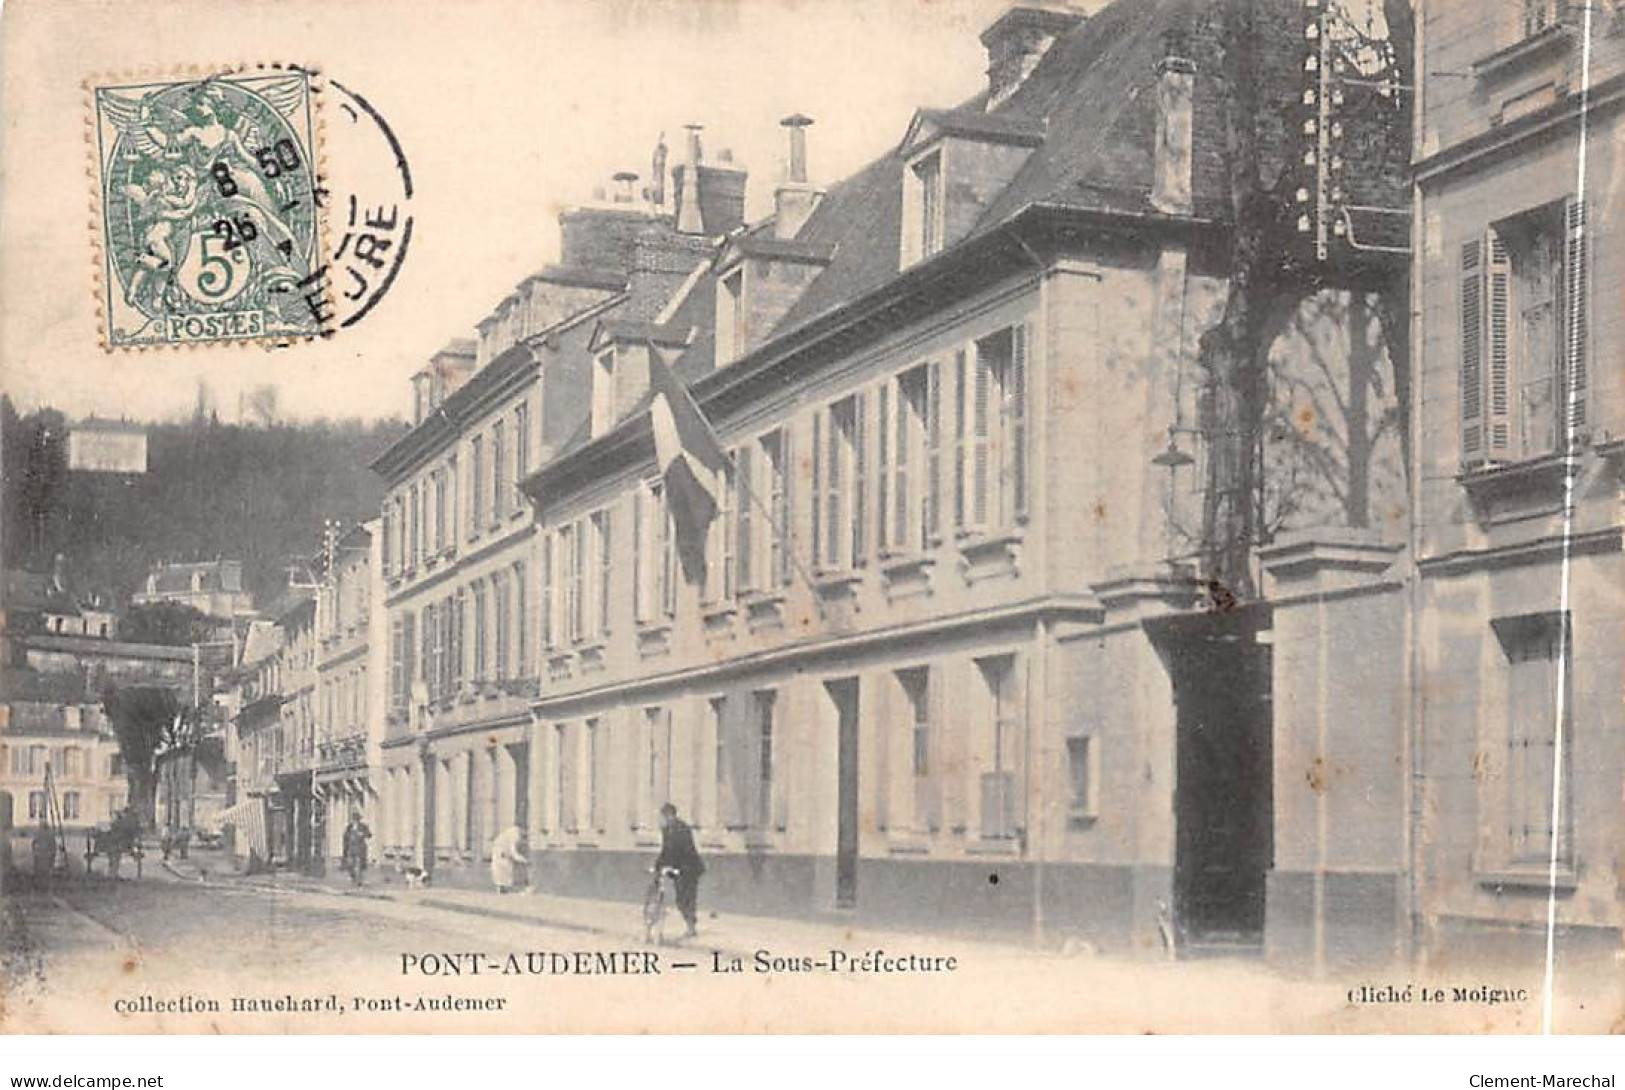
(264, 204)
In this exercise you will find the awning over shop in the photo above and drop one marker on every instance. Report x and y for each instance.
(248, 818)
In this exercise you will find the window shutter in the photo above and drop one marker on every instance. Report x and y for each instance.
(817, 488)
(787, 508)
(639, 562)
(883, 469)
(1498, 342)
(900, 503)
(979, 437)
(547, 590)
(1018, 419)
(605, 562)
(860, 480)
(742, 494)
(931, 493)
(1472, 352)
(960, 413)
(1576, 331)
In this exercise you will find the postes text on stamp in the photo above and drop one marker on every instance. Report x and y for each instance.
(209, 219)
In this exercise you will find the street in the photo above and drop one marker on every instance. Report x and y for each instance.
(246, 946)
(176, 952)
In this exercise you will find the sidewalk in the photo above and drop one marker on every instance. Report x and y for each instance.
(728, 934)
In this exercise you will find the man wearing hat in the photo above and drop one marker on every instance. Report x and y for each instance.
(677, 851)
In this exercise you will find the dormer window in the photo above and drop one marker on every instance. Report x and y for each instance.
(922, 207)
(603, 392)
(731, 316)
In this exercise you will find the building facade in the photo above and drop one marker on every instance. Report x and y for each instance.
(350, 684)
(460, 546)
(212, 587)
(1520, 409)
(944, 640)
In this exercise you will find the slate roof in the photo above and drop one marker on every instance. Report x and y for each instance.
(1093, 95)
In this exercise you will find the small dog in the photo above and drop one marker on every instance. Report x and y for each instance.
(416, 877)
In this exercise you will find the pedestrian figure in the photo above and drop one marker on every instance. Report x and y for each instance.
(183, 840)
(166, 843)
(356, 835)
(677, 851)
(506, 855)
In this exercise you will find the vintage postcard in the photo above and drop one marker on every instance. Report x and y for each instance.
(752, 516)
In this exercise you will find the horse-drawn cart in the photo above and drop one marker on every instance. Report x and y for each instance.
(113, 843)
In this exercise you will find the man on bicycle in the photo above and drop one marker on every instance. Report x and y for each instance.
(677, 851)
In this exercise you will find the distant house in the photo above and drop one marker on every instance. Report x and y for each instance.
(212, 587)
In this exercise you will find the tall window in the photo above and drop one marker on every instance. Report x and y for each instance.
(548, 628)
(654, 590)
(594, 789)
(999, 784)
(993, 473)
(414, 531)
(575, 589)
(923, 227)
(745, 564)
(476, 486)
(1083, 775)
(501, 486)
(1524, 335)
(656, 772)
(916, 686)
(521, 452)
(481, 664)
(521, 621)
(1538, 736)
(385, 552)
(762, 807)
(776, 460)
(454, 641)
(719, 762)
(70, 805)
(438, 484)
(434, 664)
(503, 622)
(601, 579)
(452, 510)
(907, 440)
(564, 783)
(840, 477)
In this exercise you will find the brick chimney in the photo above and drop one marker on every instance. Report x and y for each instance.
(795, 198)
(1017, 40)
(1172, 160)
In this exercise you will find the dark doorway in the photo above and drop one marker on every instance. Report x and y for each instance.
(519, 754)
(844, 695)
(1223, 797)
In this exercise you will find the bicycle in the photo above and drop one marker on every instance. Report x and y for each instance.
(655, 905)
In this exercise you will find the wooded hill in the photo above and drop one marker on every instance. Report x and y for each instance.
(253, 493)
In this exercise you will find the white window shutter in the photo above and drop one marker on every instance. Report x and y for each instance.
(1576, 330)
(980, 425)
(1472, 352)
(1498, 343)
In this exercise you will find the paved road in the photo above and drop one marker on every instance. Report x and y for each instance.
(78, 946)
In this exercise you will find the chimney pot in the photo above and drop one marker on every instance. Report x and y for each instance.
(797, 124)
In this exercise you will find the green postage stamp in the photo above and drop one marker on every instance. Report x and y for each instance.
(209, 214)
